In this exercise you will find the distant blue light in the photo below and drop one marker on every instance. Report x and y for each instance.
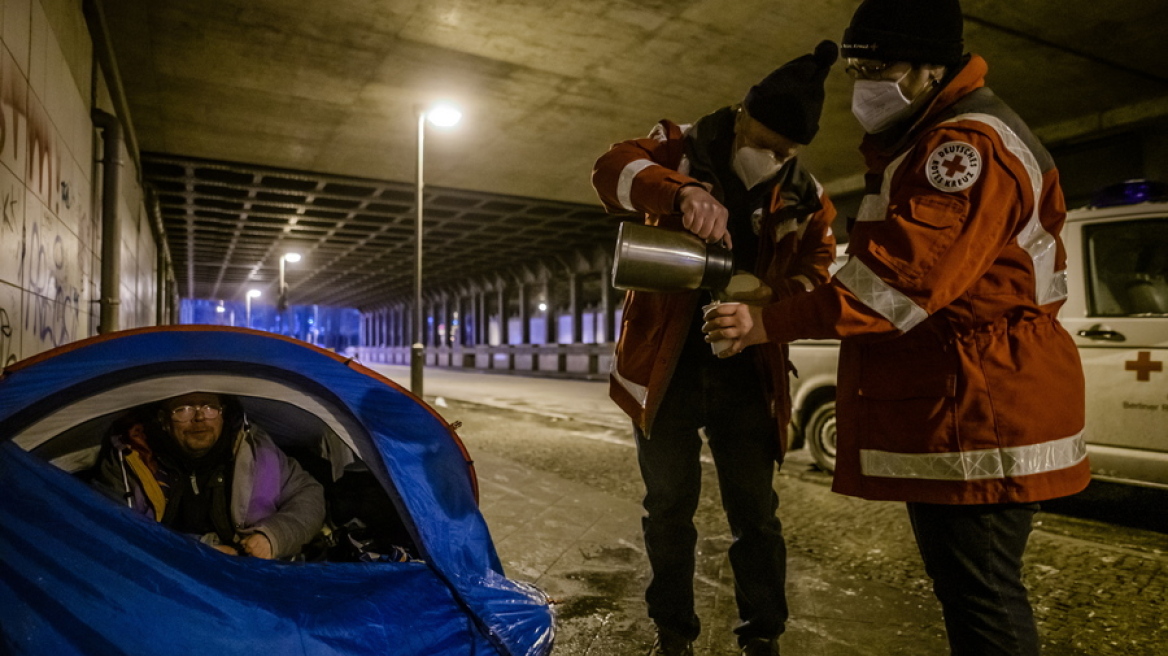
(1130, 192)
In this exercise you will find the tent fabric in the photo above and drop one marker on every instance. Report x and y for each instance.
(79, 574)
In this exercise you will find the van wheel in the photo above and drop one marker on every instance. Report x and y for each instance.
(819, 434)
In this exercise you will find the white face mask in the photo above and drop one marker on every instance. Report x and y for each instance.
(756, 165)
(879, 104)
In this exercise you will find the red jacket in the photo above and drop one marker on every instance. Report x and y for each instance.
(796, 248)
(957, 384)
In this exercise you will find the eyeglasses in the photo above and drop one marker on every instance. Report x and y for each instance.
(187, 412)
(867, 69)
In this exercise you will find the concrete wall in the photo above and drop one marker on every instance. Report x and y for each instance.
(50, 186)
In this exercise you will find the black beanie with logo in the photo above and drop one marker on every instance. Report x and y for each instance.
(790, 99)
(915, 31)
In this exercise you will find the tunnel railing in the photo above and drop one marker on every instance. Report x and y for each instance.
(586, 361)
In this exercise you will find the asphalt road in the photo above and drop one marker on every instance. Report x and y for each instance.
(1097, 565)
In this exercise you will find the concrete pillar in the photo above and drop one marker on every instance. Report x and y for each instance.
(405, 325)
(524, 314)
(480, 318)
(446, 336)
(405, 322)
(575, 308)
(456, 306)
(504, 337)
(466, 316)
(604, 319)
(431, 323)
(392, 336)
(550, 320)
(390, 327)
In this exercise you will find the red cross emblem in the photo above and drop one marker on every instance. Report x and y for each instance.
(1144, 365)
(953, 166)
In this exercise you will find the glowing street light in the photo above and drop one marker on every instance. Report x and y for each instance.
(251, 293)
(441, 115)
(444, 115)
(282, 299)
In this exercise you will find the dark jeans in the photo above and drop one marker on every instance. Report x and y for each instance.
(974, 556)
(728, 401)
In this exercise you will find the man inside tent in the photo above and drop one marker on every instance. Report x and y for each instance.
(240, 495)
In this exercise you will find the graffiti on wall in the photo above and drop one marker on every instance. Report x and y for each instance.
(52, 311)
(13, 120)
(7, 344)
(46, 236)
(9, 205)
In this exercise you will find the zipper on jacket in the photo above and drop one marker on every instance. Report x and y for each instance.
(194, 484)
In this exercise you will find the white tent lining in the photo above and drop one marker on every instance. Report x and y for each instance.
(158, 388)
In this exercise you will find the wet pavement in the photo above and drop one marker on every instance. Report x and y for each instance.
(561, 493)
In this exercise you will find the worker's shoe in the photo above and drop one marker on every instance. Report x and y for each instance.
(669, 643)
(761, 647)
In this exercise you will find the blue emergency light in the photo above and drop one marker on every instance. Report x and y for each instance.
(1130, 192)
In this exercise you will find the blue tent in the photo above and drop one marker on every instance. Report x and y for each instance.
(80, 574)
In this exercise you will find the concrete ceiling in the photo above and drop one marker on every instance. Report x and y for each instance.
(546, 85)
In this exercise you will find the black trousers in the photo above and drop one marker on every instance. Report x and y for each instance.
(974, 556)
(727, 400)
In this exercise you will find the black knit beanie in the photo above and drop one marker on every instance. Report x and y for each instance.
(790, 99)
(916, 31)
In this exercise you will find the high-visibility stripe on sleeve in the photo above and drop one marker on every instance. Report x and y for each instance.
(874, 207)
(878, 295)
(624, 185)
(639, 392)
(1049, 285)
(977, 465)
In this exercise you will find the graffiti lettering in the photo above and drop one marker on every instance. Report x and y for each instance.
(8, 207)
(7, 353)
(53, 310)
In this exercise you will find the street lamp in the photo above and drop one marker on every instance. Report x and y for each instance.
(282, 299)
(251, 293)
(442, 115)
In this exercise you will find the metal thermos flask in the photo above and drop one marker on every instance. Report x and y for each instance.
(657, 259)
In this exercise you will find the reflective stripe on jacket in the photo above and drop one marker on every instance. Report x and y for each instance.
(795, 251)
(957, 384)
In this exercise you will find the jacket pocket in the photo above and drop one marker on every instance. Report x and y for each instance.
(908, 397)
(890, 371)
(937, 211)
(918, 233)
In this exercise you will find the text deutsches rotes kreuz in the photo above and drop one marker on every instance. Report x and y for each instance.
(953, 166)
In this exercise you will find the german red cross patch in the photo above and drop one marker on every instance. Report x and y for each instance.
(953, 166)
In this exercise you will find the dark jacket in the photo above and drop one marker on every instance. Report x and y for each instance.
(792, 221)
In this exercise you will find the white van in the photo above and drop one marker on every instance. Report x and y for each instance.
(1117, 312)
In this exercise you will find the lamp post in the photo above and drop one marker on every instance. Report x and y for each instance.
(443, 116)
(251, 293)
(282, 290)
